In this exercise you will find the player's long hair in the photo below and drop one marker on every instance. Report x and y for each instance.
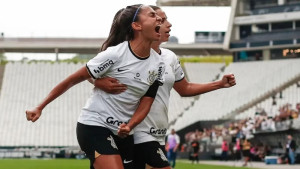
(121, 29)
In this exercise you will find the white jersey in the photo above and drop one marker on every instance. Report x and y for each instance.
(154, 126)
(111, 110)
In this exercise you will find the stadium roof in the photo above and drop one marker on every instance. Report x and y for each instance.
(92, 45)
(193, 2)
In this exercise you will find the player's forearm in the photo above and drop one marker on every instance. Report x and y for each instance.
(192, 89)
(62, 87)
(141, 112)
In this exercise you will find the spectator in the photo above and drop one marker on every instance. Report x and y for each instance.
(195, 150)
(246, 150)
(172, 144)
(225, 148)
(247, 130)
(298, 107)
(290, 149)
(237, 148)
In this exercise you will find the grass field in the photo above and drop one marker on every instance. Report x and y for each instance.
(83, 164)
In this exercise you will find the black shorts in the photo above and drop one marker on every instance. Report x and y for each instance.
(150, 153)
(246, 153)
(96, 140)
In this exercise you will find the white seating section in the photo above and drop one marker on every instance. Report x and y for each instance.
(196, 73)
(290, 95)
(202, 72)
(254, 79)
(24, 86)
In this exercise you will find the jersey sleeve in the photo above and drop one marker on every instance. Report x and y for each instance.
(100, 64)
(179, 74)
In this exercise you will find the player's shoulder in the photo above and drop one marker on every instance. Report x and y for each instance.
(115, 51)
(118, 49)
(167, 52)
(168, 55)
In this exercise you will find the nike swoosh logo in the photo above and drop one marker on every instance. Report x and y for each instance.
(121, 70)
(125, 161)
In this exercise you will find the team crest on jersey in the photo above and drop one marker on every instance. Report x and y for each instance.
(162, 155)
(112, 142)
(152, 76)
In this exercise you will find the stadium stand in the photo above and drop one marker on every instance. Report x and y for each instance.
(291, 95)
(24, 85)
(255, 80)
(1, 75)
(195, 72)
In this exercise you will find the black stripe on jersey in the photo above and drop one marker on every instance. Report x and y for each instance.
(90, 72)
(152, 89)
(179, 79)
(135, 54)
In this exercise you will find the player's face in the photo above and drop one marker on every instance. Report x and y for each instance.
(165, 26)
(150, 23)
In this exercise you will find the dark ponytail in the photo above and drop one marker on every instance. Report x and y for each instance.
(121, 29)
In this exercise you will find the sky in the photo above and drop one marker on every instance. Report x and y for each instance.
(92, 18)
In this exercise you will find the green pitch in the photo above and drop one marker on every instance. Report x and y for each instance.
(83, 164)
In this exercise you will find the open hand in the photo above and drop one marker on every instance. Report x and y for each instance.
(110, 85)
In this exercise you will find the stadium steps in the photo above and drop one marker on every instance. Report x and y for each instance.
(289, 95)
(24, 86)
(265, 96)
(254, 80)
(196, 73)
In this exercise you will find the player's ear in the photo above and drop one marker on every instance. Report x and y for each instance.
(136, 26)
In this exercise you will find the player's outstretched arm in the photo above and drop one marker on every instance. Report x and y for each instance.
(185, 88)
(75, 78)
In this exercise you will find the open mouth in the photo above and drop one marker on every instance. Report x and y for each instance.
(157, 28)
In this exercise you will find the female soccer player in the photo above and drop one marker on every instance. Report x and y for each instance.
(149, 135)
(127, 56)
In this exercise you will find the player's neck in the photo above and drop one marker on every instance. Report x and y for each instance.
(155, 46)
(140, 48)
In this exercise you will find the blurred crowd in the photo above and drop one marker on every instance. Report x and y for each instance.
(232, 137)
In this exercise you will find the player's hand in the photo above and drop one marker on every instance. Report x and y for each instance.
(33, 115)
(124, 130)
(228, 80)
(110, 85)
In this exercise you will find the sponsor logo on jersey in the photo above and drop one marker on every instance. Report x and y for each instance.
(104, 66)
(112, 142)
(160, 69)
(112, 121)
(137, 76)
(152, 77)
(162, 155)
(121, 70)
(160, 132)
